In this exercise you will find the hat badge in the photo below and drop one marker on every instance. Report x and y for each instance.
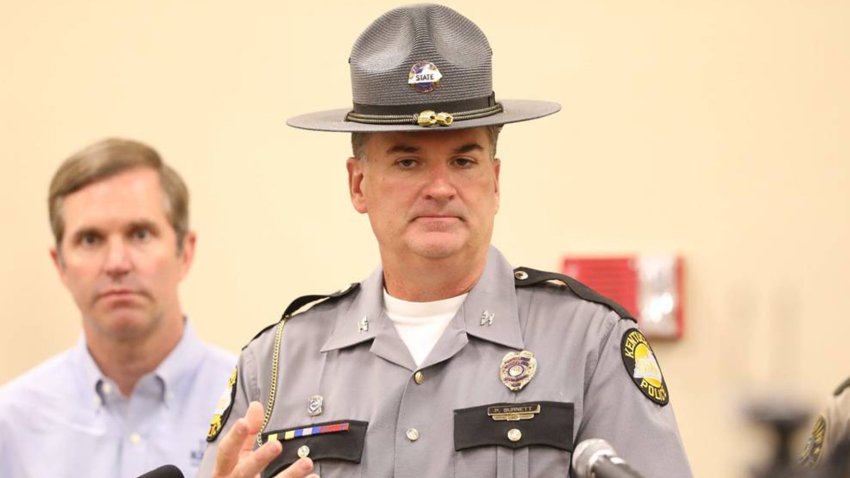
(424, 76)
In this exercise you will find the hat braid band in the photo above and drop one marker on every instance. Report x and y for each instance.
(425, 118)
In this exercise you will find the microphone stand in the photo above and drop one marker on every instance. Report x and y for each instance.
(783, 419)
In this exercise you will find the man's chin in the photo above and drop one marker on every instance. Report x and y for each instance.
(437, 250)
(124, 324)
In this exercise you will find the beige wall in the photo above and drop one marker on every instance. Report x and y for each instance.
(716, 129)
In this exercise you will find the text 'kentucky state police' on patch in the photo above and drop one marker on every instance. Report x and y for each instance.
(642, 366)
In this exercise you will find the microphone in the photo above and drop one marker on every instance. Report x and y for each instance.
(164, 471)
(596, 458)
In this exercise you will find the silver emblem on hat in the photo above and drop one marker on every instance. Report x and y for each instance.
(517, 369)
(424, 76)
(314, 405)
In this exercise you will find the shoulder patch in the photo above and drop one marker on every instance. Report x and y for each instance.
(223, 408)
(525, 277)
(814, 444)
(642, 366)
(304, 300)
(842, 387)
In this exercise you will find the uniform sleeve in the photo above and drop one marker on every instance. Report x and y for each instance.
(232, 406)
(838, 421)
(626, 404)
(830, 428)
(6, 457)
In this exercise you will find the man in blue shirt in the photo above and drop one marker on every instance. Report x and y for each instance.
(137, 390)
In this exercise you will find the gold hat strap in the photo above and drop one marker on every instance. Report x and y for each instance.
(428, 114)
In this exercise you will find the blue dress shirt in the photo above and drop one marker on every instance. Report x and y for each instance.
(65, 418)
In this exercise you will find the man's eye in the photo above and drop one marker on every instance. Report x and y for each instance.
(464, 162)
(141, 234)
(406, 163)
(89, 239)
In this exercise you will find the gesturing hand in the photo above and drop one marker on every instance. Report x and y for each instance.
(237, 459)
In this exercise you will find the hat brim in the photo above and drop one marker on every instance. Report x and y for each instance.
(513, 111)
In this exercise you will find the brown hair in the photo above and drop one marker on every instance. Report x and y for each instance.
(358, 141)
(107, 158)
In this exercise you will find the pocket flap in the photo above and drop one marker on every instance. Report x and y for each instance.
(515, 425)
(338, 440)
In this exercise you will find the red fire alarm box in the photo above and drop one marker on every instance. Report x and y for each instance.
(648, 286)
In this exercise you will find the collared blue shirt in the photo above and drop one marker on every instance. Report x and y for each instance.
(65, 418)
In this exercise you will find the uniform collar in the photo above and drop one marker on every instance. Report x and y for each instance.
(494, 295)
(490, 312)
(360, 321)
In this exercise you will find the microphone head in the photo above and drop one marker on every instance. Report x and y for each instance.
(586, 454)
(164, 471)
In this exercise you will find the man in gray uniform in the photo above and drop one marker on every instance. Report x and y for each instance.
(831, 428)
(446, 361)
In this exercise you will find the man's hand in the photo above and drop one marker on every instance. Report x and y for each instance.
(237, 459)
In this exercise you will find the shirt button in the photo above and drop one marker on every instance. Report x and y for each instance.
(514, 435)
(412, 434)
(418, 377)
(107, 388)
(135, 438)
(304, 451)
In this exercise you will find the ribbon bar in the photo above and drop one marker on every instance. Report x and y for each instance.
(309, 431)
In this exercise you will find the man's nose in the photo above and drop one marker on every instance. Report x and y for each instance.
(117, 261)
(440, 185)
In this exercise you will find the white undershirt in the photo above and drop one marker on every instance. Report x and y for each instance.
(420, 324)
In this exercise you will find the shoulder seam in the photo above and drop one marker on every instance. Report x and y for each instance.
(526, 277)
(294, 307)
(841, 387)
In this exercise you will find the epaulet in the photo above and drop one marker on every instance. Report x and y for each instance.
(841, 387)
(526, 277)
(304, 300)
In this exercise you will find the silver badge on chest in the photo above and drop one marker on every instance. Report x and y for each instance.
(517, 369)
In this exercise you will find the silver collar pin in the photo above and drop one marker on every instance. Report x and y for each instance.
(314, 405)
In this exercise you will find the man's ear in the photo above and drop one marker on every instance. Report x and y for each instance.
(497, 166)
(187, 253)
(58, 262)
(355, 184)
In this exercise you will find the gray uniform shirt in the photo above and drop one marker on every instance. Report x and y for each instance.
(831, 427)
(435, 420)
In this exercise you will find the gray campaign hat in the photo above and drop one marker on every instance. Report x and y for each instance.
(422, 67)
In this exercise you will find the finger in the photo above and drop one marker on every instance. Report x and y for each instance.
(253, 463)
(230, 446)
(254, 421)
(299, 469)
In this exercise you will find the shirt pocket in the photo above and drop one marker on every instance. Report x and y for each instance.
(513, 440)
(336, 447)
